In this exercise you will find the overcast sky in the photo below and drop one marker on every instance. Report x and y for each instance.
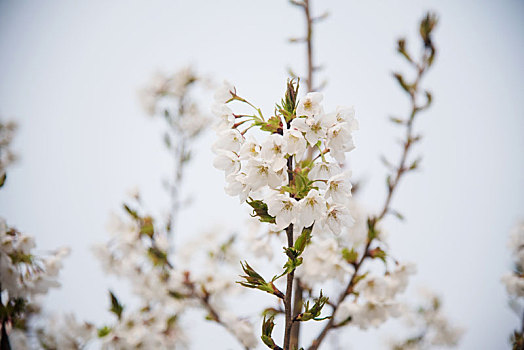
(70, 72)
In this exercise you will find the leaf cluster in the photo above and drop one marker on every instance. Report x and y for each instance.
(253, 279)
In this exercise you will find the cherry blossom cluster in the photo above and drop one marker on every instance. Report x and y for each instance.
(63, 332)
(375, 302)
(167, 95)
(429, 326)
(23, 273)
(281, 170)
(7, 130)
(166, 284)
(514, 281)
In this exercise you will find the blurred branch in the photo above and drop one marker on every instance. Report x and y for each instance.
(427, 25)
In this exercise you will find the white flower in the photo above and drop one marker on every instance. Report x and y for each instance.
(295, 142)
(315, 128)
(227, 161)
(273, 147)
(250, 148)
(514, 284)
(366, 315)
(516, 243)
(237, 186)
(283, 208)
(242, 329)
(324, 170)
(339, 138)
(345, 310)
(228, 140)
(261, 173)
(312, 207)
(323, 261)
(398, 279)
(226, 119)
(373, 289)
(338, 217)
(338, 188)
(223, 93)
(310, 105)
(347, 115)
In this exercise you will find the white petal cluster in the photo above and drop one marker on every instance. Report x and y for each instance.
(7, 132)
(65, 332)
(514, 281)
(431, 328)
(144, 329)
(263, 167)
(366, 315)
(242, 329)
(165, 85)
(166, 94)
(323, 261)
(23, 274)
(376, 302)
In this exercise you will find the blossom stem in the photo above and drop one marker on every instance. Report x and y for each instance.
(297, 309)
(290, 276)
(289, 292)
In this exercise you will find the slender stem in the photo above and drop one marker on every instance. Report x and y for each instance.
(348, 290)
(309, 45)
(213, 313)
(289, 294)
(290, 276)
(179, 153)
(297, 309)
(392, 187)
(293, 328)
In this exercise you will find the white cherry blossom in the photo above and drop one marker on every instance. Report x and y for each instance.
(228, 140)
(339, 188)
(227, 161)
(283, 208)
(312, 207)
(295, 142)
(310, 105)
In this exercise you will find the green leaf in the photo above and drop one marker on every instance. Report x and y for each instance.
(253, 280)
(267, 330)
(400, 79)
(147, 228)
(131, 212)
(116, 307)
(351, 256)
(102, 332)
(260, 211)
(157, 256)
(273, 125)
(314, 312)
(289, 102)
(303, 240)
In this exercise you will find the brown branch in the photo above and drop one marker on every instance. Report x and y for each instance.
(297, 309)
(289, 292)
(309, 45)
(204, 300)
(401, 169)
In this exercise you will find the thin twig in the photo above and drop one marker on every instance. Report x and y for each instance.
(373, 221)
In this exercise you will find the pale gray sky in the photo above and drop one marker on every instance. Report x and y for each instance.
(70, 74)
